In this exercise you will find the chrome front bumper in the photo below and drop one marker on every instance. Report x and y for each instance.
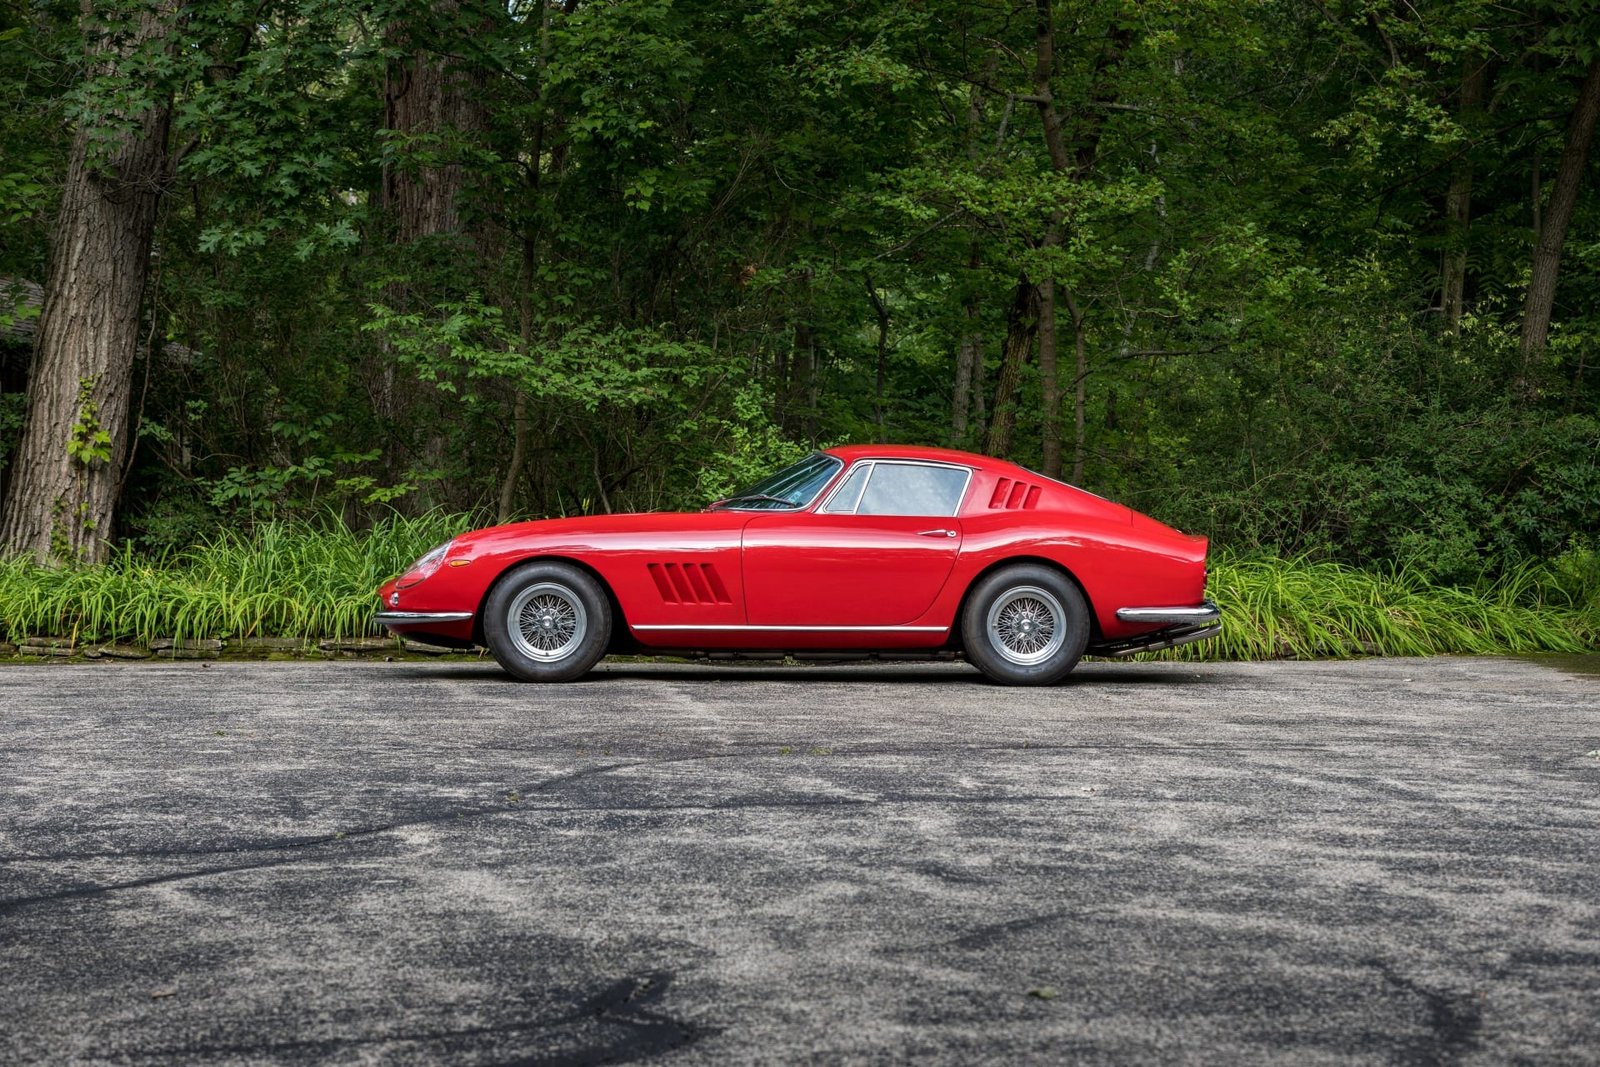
(1183, 625)
(419, 618)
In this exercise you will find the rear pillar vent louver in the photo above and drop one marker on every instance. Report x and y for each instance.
(1010, 494)
(689, 583)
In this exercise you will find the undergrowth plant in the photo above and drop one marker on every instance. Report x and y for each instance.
(278, 579)
(1274, 607)
(316, 580)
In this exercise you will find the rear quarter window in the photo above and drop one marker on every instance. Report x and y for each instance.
(913, 489)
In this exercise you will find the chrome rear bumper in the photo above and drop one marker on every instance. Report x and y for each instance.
(1184, 625)
(1205, 612)
(419, 618)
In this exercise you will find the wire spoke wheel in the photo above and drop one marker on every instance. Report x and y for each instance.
(547, 621)
(1027, 624)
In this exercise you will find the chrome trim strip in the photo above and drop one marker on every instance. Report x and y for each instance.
(1205, 612)
(411, 618)
(800, 629)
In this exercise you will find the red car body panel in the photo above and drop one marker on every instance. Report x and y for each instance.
(805, 580)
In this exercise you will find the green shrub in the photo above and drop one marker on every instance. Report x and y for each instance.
(282, 579)
(313, 580)
(1298, 607)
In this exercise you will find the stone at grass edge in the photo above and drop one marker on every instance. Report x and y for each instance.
(47, 646)
(7, 648)
(276, 644)
(119, 650)
(187, 644)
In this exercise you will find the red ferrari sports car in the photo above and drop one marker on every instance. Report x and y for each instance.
(874, 549)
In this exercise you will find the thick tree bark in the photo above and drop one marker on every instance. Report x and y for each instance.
(881, 310)
(1458, 201)
(1049, 385)
(434, 104)
(62, 499)
(1090, 126)
(1055, 145)
(519, 403)
(1090, 123)
(799, 412)
(969, 345)
(434, 107)
(1553, 234)
(969, 372)
(1022, 323)
(1080, 380)
(800, 409)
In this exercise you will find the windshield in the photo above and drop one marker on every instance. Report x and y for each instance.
(791, 488)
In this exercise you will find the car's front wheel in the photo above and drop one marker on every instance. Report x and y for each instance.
(547, 622)
(1025, 624)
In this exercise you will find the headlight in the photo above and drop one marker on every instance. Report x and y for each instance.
(424, 567)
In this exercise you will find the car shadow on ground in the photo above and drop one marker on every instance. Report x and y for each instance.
(890, 673)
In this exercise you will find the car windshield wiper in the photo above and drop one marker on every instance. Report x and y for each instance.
(754, 496)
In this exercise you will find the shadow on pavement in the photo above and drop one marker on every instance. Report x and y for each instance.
(889, 673)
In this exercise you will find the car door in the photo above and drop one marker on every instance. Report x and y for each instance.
(874, 553)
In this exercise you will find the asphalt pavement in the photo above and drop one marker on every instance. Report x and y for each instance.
(1380, 861)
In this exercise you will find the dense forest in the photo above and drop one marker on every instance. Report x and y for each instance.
(1313, 277)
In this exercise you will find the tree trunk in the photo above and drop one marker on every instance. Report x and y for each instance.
(780, 381)
(969, 346)
(1050, 429)
(519, 403)
(881, 310)
(434, 106)
(1090, 126)
(1553, 234)
(1090, 122)
(1022, 322)
(1055, 144)
(62, 499)
(1080, 380)
(799, 410)
(1458, 200)
(969, 366)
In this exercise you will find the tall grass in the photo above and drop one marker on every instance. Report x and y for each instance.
(279, 579)
(1298, 607)
(316, 580)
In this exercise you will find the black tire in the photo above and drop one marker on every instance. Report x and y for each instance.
(1025, 624)
(565, 622)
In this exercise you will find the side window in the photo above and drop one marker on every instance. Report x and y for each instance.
(849, 492)
(913, 489)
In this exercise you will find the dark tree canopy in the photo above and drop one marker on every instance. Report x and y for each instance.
(1304, 275)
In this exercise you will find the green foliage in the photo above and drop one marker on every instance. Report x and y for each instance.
(1301, 608)
(686, 240)
(316, 580)
(88, 442)
(282, 579)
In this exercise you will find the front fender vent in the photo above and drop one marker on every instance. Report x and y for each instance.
(689, 583)
(1012, 495)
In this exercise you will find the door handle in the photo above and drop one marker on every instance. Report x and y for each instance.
(936, 533)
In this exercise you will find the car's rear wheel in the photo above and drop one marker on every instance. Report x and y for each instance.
(547, 622)
(1026, 624)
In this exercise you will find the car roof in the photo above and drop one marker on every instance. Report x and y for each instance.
(940, 455)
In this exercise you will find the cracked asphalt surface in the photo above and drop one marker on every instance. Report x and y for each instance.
(1383, 861)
